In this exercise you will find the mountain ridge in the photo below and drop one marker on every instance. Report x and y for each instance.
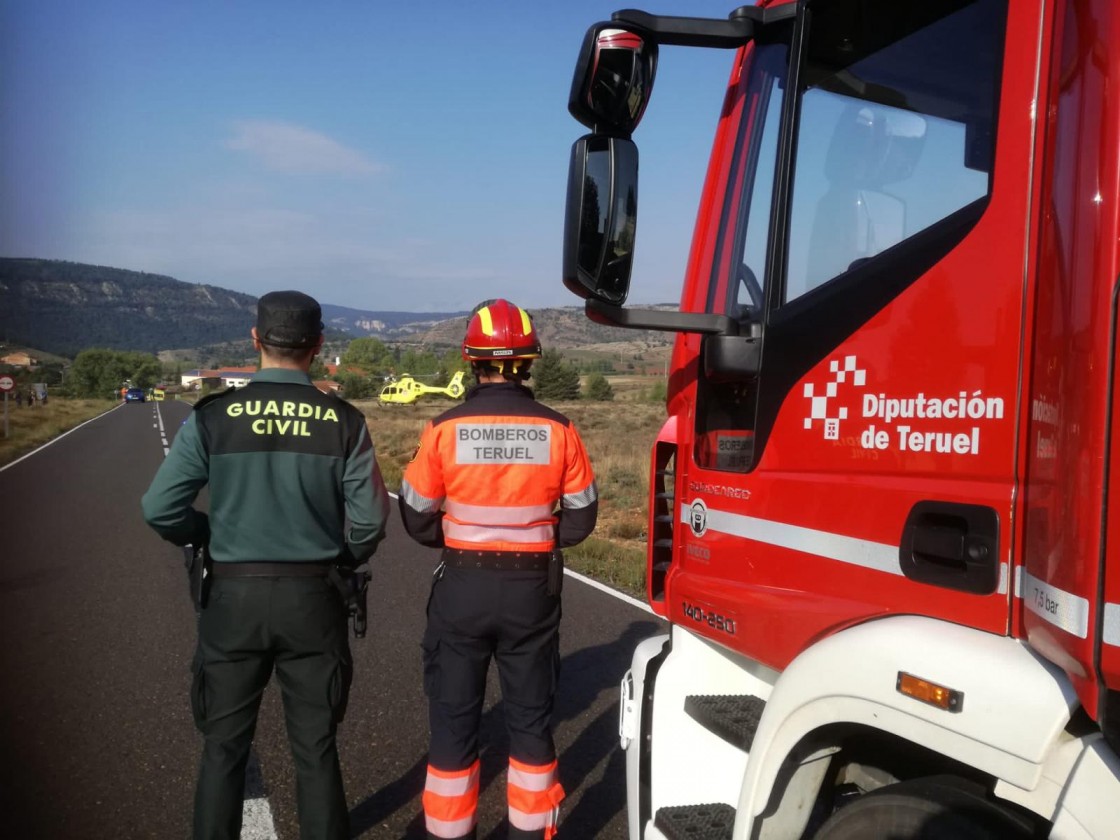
(64, 307)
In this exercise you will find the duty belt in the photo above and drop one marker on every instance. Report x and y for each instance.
(502, 561)
(270, 569)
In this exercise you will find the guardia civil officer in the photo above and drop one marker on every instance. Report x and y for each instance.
(294, 488)
(498, 482)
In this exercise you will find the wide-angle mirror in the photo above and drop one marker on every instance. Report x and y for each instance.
(613, 79)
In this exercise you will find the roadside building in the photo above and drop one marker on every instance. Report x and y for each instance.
(231, 377)
(19, 360)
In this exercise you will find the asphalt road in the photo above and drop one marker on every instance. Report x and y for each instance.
(96, 736)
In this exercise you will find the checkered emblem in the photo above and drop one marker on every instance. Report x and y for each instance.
(825, 407)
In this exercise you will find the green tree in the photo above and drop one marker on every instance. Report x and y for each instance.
(355, 386)
(368, 354)
(95, 374)
(102, 373)
(418, 362)
(554, 378)
(658, 393)
(146, 370)
(598, 388)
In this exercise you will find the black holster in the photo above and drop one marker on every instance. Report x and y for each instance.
(353, 586)
(197, 562)
(556, 572)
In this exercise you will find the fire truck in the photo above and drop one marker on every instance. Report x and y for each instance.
(882, 527)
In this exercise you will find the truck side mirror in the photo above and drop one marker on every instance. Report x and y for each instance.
(613, 79)
(601, 218)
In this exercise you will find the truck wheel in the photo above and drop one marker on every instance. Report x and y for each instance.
(924, 809)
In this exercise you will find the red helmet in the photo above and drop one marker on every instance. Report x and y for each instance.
(499, 330)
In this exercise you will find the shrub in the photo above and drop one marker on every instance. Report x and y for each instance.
(553, 378)
(598, 388)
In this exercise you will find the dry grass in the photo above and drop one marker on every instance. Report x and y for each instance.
(618, 436)
(31, 427)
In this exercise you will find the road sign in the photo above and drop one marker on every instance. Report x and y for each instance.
(7, 383)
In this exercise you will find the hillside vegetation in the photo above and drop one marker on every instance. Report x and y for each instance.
(63, 307)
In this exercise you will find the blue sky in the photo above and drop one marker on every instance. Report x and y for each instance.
(382, 155)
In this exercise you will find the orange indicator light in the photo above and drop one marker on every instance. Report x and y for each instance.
(935, 695)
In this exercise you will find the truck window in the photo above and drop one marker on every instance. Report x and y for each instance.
(759, 146)
(883, 144)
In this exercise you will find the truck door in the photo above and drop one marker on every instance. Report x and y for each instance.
(871, 242)
(1070, 580)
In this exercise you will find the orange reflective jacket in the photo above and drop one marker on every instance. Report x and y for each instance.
(490, 473)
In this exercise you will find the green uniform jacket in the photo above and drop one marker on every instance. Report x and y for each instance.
(292, 476)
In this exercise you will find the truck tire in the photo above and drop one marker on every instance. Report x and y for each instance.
(925, 809)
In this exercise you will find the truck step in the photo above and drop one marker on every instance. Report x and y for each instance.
(733, 717)
(696, 822)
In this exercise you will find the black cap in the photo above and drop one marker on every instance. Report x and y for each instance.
(289, 319)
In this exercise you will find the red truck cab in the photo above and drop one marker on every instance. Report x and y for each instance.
(881, 525)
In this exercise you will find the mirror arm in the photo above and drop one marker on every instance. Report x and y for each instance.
(731, 33)
(653, 319)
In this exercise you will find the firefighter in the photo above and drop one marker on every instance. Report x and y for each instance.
(295, 490)
(500, 483)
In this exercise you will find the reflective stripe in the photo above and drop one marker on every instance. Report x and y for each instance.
(581, 499)
(452, 784)
(418, 502)
(530, 822)
(1062, 609)
(483, 524)
(485, 321)
(451, 801)
(476, 534)
(1112, 624)
(449, 828)
(882, 557)
(534, 796)
(871, 555)
(548, 815)
(511, 515)
(530, 777)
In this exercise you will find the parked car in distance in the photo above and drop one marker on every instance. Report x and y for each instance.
(134, 395)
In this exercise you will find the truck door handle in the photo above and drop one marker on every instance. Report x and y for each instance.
(952, 545)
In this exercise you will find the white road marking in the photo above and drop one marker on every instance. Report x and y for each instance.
(162, 432)
(602, 587)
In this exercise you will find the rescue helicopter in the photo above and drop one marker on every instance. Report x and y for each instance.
(407, 390)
